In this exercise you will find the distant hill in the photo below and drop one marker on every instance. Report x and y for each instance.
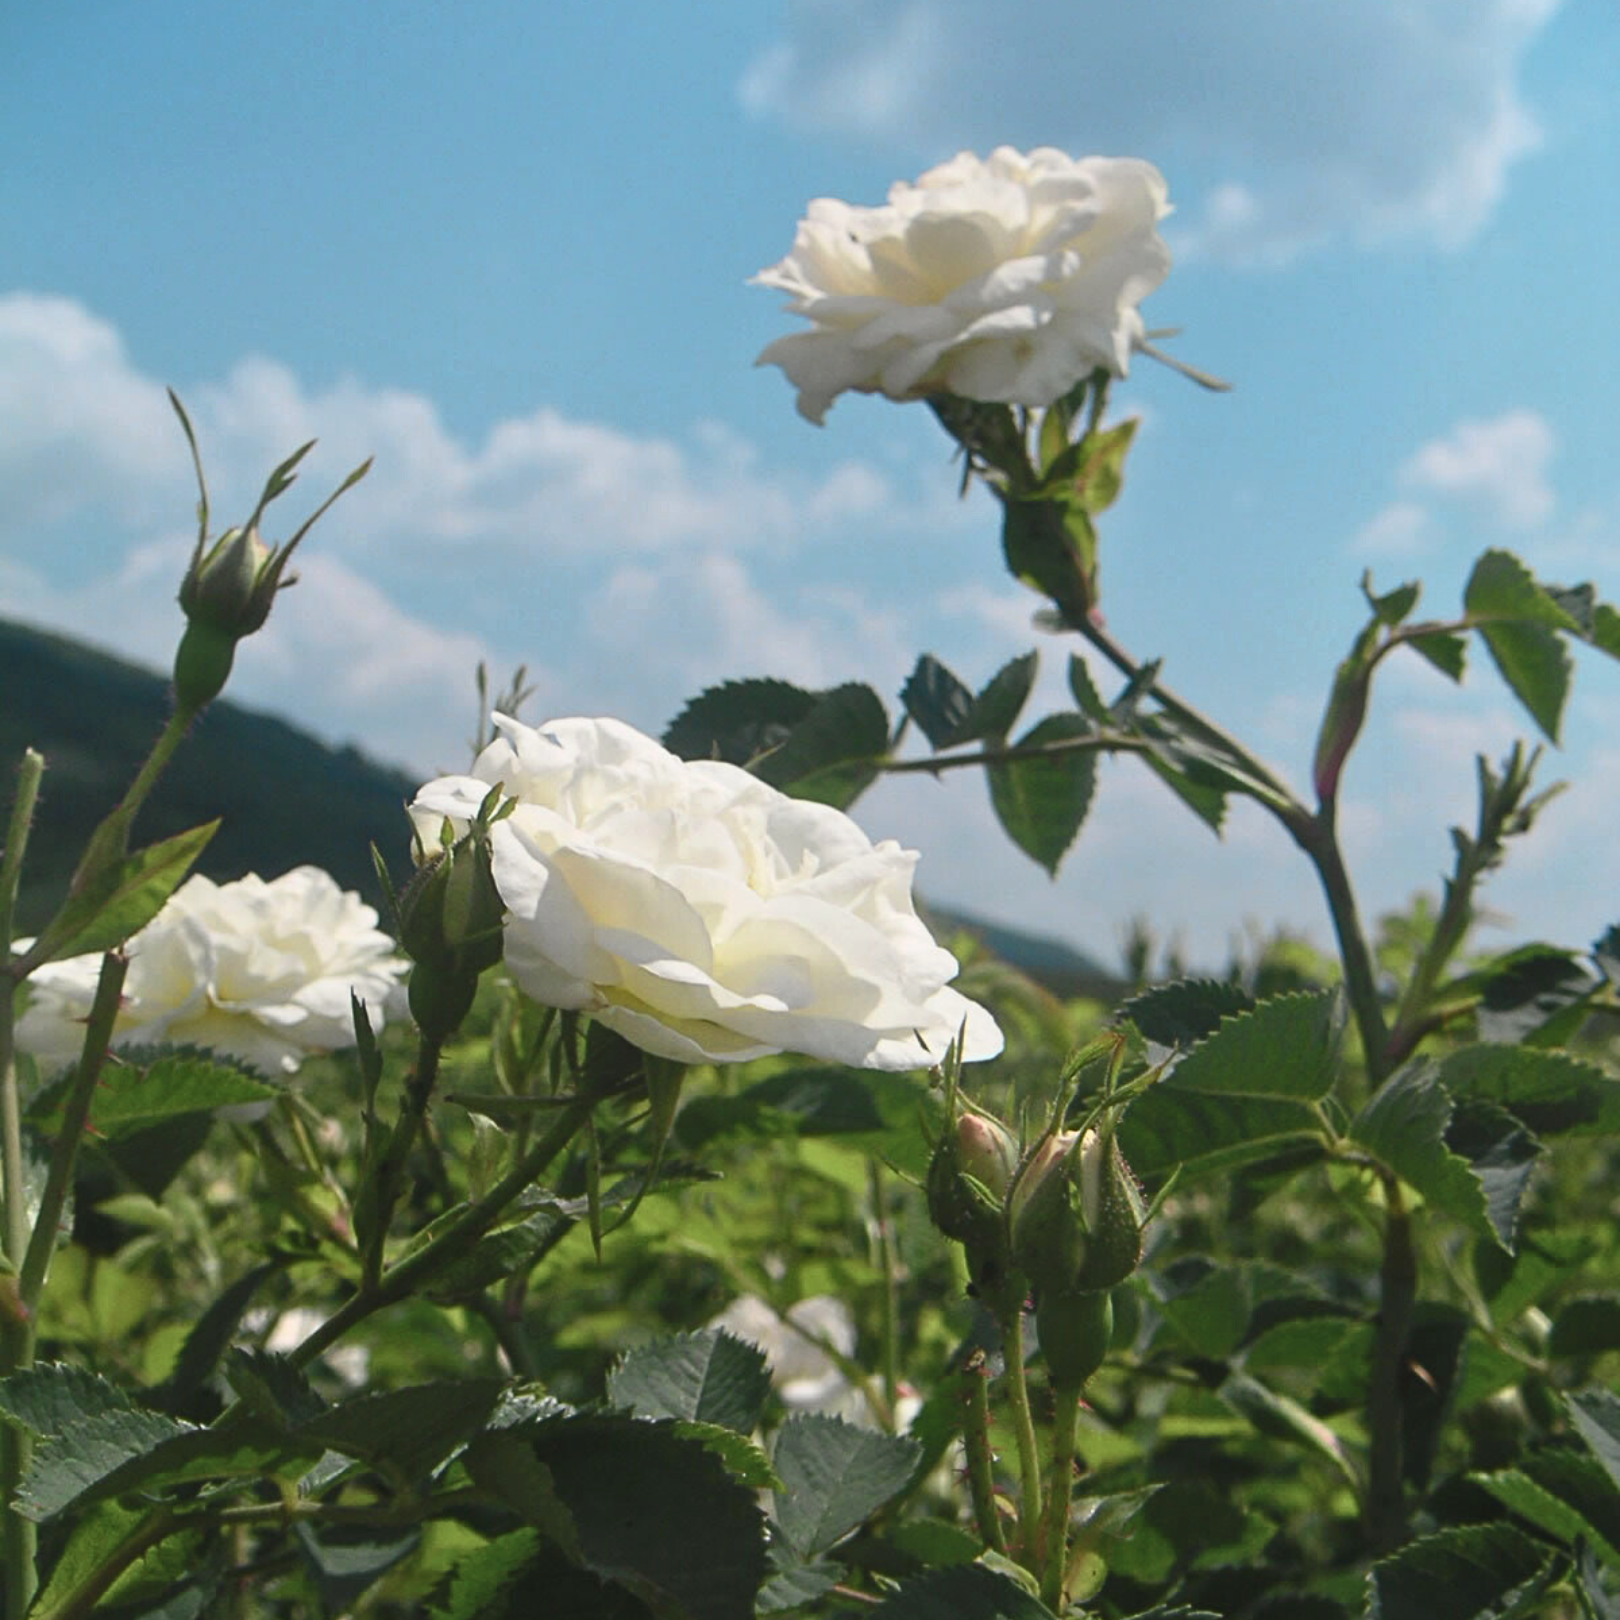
(284, 798)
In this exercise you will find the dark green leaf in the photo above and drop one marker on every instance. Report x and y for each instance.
(52, 1397)
(1565, 1493)
(708, 1376)
(206, 1343)
(1596, 1416)
(272, 1387)
(830, 755)
(123, 1451)
(648, 1510)
(406, 1431)
(794, 1583)
(1551, 1093)
(1404, 1127)
(738, 721)
(1536, 665)
(1526, 990)
(836, 1476)
(1085, 691)
(1001, 701)
(1587, 1325)
(937, 701)
(1185, 1012)
(743, 1459)
(1488, 1571)
(1041, 803)
(1283, 1418)
(1287, 1046)
(1606, 952)
(123, 899)
(967, 1592)
(1502, 1153)
(343, 1571)
(1051, 546)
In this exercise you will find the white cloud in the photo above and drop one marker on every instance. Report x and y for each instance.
(1303, 123)
(1401, 529)
(1499, 465)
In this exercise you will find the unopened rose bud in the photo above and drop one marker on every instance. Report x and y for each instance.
(450, 927)
(1077, 1214)
(968, 1177)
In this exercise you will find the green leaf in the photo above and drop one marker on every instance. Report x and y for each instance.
(793, 1583)
(650, 1511)
(1393, 606)
(1502, 1153)
(1213, 1314)
(1102, 470)
(1528, 993)
(122, 1451)
(1186, 1011)
(1446, 651)
(1404, 1127)
(1565, 1493)
(53, 1396)
(1207, 1133)
(1287, 1046)
(1001, 701)
(1596, 1416)
(130, 1097)
(937, 701)
(1501, 588)
(124, 898)
(272, 1387)
(207, 1342)
(966, 1592)
(344, 1570)
(1488, 1571)
(836, 1476)
(1085, 690)
(743, 1459)
(95, 1543)
(1587, 1325)
(830, 755)
(1283, 1418)
(738, 721)
(1536, 666)
(483, 1577)
(1041, 803)
(1051, 546)
(406, 1431)
(709, 1376)
(1550, 1093)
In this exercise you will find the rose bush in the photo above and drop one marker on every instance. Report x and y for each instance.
(1002, 279)
(254, 970)
(699, 912)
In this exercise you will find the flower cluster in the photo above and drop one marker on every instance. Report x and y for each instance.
(257, 971)
(699, 912)
(1004, 279)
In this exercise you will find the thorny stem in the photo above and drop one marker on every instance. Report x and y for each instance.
(1029, 1465)
(1386, 1504)
(18, 1537)
(418, 1093)
(888, 1304)
(1059, 1491)
(454, 1241)
(976, 1443)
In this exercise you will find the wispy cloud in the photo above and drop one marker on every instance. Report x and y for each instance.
(1303, 124)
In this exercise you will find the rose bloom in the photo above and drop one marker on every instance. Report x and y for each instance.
(1003, 279)
(255, 971)
(699, 912)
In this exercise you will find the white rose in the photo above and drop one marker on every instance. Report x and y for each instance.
(256, 971)
(1004, 279)
(699, 912)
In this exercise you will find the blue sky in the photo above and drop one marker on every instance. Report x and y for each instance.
(505, 248)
